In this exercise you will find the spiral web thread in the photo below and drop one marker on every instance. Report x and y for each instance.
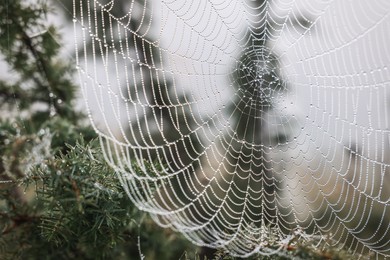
(236, 122)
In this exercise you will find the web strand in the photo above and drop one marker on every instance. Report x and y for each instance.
(238, 122)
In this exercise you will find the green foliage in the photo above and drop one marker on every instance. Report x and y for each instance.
(30, 48)
(79, 184)
(79, 211)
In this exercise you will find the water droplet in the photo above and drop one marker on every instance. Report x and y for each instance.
(41, 132)
(98, 185)
(52, 112)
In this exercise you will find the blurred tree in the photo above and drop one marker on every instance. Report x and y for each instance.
(258, 83)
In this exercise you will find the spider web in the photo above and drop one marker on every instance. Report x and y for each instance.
(236, 122)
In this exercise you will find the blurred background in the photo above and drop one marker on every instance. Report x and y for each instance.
(287, 101)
